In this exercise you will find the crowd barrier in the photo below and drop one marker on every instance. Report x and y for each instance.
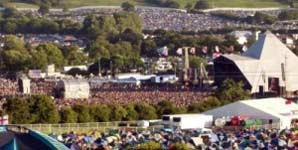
(87, 127)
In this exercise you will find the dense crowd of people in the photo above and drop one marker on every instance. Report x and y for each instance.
(245, 139)
(110, 93)
(177, 20)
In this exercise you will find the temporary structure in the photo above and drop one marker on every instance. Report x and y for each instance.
(74, 88)
(271, 110)
(267, 65)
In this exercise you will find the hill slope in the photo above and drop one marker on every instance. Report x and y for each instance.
(214, 3)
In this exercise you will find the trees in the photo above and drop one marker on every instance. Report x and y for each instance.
(202, 4)
(54, 54)
(195, 61)
(83, 113)
(132, 114)
(74, 56)
(118, 113)
(43, 109)
(127, 6)
(36, 109)
(288, 15)
(145, 111)
(232, 91)
(171, 4)
(188, 6)
(18, 111)
(100, 113)
(44, 9)
(129, 20)
(166, 107)
(202, 106)
(39, 60)
(68, 116)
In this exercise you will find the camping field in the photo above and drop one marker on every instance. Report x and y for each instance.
(213, 3)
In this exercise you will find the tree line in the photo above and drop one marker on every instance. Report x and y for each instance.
(41, 108)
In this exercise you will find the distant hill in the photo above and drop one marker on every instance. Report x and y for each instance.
(213, 3)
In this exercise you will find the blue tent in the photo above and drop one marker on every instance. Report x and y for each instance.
(12, 145)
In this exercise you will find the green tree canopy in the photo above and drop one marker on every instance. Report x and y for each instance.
(145, 111)
(128, 6)
(18, 111)
(166, 107)
(83, 112)
(202, 4)
(68, 116)
(43, 109)
(232, 91)
(118, 113)
(54, 54)
(100, 113)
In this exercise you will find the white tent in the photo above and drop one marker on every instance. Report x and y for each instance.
(275, 109)
(267, 59)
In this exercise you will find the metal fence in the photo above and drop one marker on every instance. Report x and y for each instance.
(87, 127)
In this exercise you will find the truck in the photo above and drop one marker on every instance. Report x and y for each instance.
(187, 121)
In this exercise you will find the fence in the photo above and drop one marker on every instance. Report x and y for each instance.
(87, 127)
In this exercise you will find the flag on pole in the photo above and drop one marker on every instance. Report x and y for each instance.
(163, 51)
(205, 50)
(179, 51)
(244, 48)
(217, 49)
(288, 101)
(193, 50)
(4, 120)
(232, 48)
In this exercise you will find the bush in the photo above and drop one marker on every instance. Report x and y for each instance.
(179, 146)
(67, 115)
(145, 111)
(147, 146)
(202, 4)
(83, 112)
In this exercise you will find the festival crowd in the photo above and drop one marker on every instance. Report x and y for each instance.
(109, 93)
(245, 139)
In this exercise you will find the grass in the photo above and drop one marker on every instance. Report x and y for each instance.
(214, 3)
(22, 5)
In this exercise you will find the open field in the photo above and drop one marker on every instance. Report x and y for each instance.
(213, 3)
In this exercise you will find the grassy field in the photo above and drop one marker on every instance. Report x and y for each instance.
(213, 3)
(22, 5)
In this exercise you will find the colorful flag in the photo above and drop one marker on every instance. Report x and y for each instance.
(244, 48)
(163, 51)
(216, 54)
(193, 50)
(4, 120)
(288, 101)
(205, 50)
(231, 48)
(217, 49)
(179, 51)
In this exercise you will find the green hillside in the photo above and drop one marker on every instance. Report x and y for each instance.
(214, 3)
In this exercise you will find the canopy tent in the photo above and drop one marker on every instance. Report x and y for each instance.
(276, 109)
(12, 145)
(32, 140)
(266, 64)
